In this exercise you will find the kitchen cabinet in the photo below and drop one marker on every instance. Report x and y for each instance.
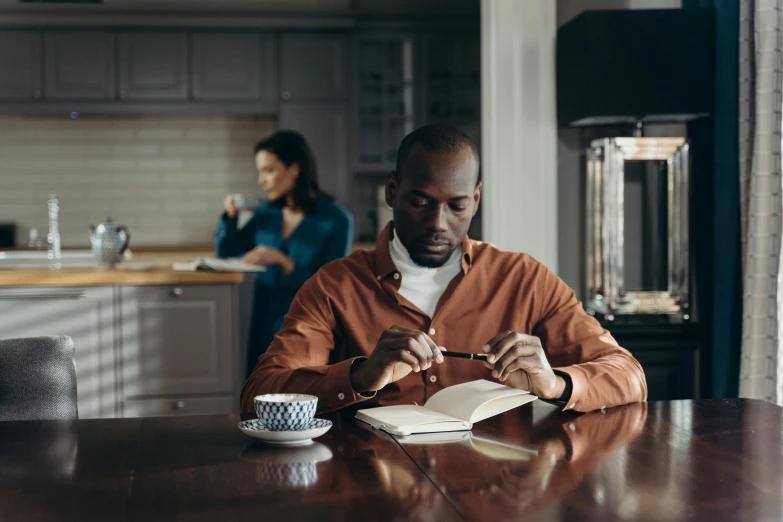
(313, 67)
(234, 67)
(669, 355)
(385, 92)
(140, 350)
(153, 66)
(86, 315)
(325, 126)
(20, 63)
(177, 345)
(452, 81)
(79, 65)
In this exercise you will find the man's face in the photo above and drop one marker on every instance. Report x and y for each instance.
(434, 202)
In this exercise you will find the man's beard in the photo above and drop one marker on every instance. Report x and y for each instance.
(429, 263)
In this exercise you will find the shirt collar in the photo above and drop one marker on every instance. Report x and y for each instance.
(384, 265)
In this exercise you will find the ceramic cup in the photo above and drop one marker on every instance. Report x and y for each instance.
(243, 202)
(285, 411)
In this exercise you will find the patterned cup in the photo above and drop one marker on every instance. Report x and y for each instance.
(286, 411)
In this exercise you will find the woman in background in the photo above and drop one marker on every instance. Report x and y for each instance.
(294, 233)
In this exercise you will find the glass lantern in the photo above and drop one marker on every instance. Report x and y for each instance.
(637, 228)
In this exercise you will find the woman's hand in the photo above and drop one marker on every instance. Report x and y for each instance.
(264, 255)
(228, 204)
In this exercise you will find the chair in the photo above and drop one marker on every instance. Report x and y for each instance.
(37, 379)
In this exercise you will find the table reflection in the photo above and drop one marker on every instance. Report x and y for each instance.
(512, 466)
(31, 448)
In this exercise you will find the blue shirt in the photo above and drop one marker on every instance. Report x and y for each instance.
(321, 237)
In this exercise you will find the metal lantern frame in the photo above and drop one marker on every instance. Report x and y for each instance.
(606, 293)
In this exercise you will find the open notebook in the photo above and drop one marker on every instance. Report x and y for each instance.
(214, 264)
(455, 408)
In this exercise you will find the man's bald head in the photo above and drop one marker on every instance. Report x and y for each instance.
(438, 139)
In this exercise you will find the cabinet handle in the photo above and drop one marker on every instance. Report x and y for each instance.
(286, 95)
(176, 292)
(179, 405)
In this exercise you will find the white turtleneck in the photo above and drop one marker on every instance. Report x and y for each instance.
(423, 286)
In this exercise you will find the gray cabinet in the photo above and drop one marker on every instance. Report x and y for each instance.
(79, 65)
(20, 64)
(86, 315)
(325, 126)
(234, 67)
(153, 66)
(313, 66)
(177, 343)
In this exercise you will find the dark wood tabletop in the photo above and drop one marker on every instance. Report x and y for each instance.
(667, 461)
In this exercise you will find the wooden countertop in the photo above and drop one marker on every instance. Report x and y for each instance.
(138, 270)
(118, 276)
(143, 268)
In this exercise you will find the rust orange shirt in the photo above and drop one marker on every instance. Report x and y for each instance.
(340, 313)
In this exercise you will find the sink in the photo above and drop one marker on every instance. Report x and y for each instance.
(40, 259)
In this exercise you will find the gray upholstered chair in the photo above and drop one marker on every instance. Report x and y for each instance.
(37, 379)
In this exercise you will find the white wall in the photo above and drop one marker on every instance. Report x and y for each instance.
(163, 176)
(518, 127)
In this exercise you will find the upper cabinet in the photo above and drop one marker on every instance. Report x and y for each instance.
(234, 67)
(452, 78)
(153, 66)
(79, 65)
(313, 67)
(385, 97)
(20, 63)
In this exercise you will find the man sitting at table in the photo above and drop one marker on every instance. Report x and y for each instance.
(371, 327)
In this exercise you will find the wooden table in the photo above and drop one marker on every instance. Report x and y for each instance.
(667, 461)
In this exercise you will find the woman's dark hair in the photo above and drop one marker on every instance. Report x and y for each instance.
(290, 147)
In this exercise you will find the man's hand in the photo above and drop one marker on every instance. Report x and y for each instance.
(519, 361)
(399, 352)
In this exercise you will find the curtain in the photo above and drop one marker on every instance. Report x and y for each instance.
(761, 193)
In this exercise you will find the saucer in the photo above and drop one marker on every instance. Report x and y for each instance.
(255, 428)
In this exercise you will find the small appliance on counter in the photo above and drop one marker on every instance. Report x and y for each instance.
(7, 235)
(109, 242)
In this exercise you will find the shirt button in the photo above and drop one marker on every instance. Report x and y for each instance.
(378, 278)
(341, 396)
(433, 378)
(396, 275)
(432, 331)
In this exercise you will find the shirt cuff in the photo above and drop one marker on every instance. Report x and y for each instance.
(578, 387)
(340, 392)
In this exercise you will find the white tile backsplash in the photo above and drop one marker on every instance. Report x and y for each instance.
(163, 176)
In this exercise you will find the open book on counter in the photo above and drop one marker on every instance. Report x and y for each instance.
(455, 408)
(214, 264)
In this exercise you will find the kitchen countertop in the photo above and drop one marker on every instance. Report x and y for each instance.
(146, 266)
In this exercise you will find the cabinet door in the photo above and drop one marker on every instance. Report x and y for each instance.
(670, 374)
(313, 67)
(324, 126)
(230, 66)
(177, 340)
(153, 66)
(20, 64)
(79, 65)
(84, 314)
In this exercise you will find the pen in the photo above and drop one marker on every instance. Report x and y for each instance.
(476, 356)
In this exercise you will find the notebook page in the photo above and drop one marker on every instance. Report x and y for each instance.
(477, 400)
